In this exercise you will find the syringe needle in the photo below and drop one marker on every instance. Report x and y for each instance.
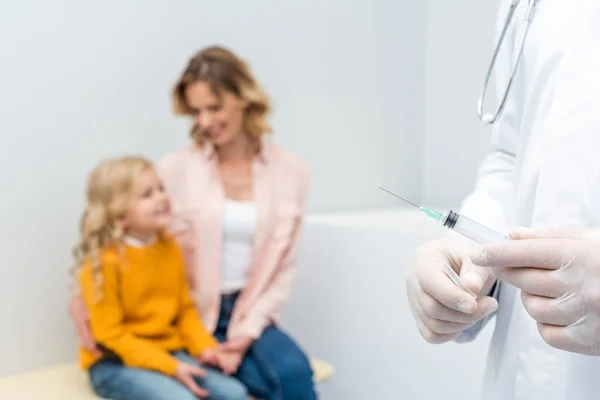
(401, 198)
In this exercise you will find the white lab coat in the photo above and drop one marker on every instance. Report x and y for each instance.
(543, 171)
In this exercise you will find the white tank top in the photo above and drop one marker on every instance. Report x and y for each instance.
(239, 224)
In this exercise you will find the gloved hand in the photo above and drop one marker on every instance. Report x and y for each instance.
(441, 309)
(558, 272)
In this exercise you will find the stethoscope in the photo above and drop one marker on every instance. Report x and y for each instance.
(488, 118)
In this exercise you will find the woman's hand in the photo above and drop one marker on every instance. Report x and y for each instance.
(230, 354)
(229, 361)
(80, 317)
(239, 344)
(185, 374)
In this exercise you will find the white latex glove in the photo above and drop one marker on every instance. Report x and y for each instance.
(558, 272)
(441, 309)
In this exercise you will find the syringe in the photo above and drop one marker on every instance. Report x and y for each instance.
(459, 223)
(462, 225)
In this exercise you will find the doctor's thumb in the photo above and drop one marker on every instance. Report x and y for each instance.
(478, 279)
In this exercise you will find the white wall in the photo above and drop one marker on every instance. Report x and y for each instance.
(460, 40)
(84, 80)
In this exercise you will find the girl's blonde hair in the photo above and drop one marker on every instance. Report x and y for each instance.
(109, 192)
(222, 70)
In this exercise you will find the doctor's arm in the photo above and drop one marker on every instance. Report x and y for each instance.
(442, 311)
(560, 294)
(490, 199)
(492, 196)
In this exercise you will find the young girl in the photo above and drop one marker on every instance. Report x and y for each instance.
(152, 343)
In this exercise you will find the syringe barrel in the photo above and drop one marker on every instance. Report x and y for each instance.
(471, 229)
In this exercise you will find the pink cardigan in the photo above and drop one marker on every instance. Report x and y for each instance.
(280, 183)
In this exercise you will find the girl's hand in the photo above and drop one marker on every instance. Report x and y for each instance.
(186, 373)
(209, 356)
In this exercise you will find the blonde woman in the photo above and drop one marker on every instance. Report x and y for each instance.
(245, 198)
(151, 343)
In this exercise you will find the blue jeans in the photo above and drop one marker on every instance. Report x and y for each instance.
(110, 379)
(274, 368)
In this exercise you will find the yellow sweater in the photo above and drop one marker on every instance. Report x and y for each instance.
(145, 309)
